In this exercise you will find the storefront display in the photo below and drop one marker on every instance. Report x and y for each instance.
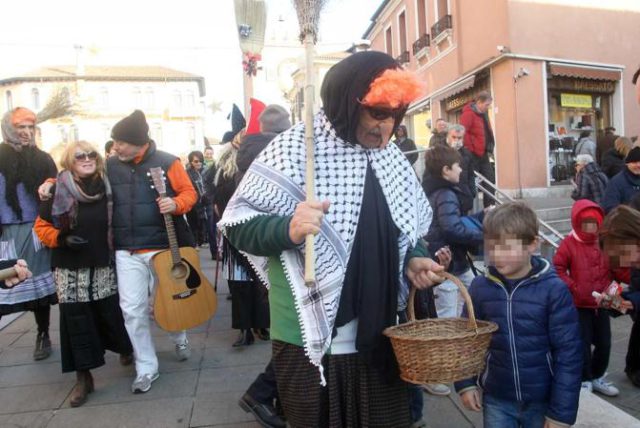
(578, 108)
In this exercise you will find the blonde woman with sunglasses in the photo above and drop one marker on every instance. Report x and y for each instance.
(76, 224)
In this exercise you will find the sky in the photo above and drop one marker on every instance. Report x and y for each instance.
(197, 36)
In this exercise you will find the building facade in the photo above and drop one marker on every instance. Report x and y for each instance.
(555, 69)
(101, 96)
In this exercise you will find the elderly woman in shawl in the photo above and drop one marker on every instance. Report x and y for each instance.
(334, 367)
(23, 167)
(76, 223)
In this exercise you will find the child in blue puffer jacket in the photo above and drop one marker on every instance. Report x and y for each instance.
(533, 372)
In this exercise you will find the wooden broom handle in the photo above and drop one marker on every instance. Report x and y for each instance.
(7, 273)
(309, 255)
(465, 294)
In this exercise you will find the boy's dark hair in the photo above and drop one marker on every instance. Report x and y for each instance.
(438, 157)
(512, 218)
(634, 80)
(107, 147)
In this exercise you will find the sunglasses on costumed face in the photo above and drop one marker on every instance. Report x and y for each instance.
(86, 156)
(384, 113)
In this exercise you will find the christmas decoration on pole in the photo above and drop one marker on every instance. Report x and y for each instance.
(308, 12)
(251, 20)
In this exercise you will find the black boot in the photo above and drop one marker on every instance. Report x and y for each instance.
(265, 414)
(244, 339)
(262, 333)
(43, 346)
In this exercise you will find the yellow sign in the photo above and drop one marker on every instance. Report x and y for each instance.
(576, 100)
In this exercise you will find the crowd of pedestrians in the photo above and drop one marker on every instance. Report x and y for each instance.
(85, 238)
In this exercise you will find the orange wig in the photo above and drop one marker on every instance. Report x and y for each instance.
(21, 114)
(394, 88)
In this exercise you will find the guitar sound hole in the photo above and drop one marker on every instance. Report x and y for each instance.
(180, 271)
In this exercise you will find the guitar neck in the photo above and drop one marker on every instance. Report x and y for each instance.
(173, 239)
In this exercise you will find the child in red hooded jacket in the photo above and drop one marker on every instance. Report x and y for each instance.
(584, 267)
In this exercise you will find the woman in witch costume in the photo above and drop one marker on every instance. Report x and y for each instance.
(249, 301)
(76, 224)
(23, 167)
(368, 227)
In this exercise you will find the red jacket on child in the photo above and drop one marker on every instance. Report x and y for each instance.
(579, 261)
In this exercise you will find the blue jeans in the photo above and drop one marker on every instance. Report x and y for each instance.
(513, 414)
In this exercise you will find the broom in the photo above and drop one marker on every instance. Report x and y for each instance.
(308, 12)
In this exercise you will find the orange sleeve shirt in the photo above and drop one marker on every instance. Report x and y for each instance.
(47, 232)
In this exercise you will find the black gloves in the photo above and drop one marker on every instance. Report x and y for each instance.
(72, 242)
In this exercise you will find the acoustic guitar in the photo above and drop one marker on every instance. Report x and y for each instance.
(184, 297)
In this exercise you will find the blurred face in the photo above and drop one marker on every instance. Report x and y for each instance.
(589, 226)
(483, 106)
(634, 167)
(510, 256)
(376, 125)
(441, 125)
(196, 163)
(26, 132)
(455, 139)
(579, 167)
(452, 175)
(208, 154)
(84, 163)
(623, 254)
(126, 152)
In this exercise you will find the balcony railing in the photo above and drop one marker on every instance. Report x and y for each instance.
(403, 58)
(446, 23)
(421, 43)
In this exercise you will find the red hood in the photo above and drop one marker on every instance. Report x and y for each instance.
(581, 209)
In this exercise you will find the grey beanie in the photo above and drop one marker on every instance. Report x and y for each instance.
(274, 119)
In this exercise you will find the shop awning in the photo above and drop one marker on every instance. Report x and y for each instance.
(463, 85)
(565, 70)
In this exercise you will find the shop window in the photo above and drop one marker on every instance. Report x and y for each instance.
(156, 134)
(64, 135)
(574, 114)
(35, 99)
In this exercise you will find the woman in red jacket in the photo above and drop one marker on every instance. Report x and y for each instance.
(585, 268)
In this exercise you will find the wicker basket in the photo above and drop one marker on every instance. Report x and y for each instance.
(441, 350)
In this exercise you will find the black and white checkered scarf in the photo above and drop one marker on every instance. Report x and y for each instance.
(274, 185)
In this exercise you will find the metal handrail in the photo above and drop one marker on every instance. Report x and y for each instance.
(544, 224)
(486, 191)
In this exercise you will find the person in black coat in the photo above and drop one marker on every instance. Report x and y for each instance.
(406, 144)
(624, 185)
(612, 161)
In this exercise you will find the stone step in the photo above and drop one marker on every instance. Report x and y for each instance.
(559, 213)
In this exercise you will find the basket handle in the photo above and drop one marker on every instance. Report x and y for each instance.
(465, 294)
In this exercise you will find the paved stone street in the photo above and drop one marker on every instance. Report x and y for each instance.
(201, 392)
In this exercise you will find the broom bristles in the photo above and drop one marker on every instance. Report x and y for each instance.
(308, 12)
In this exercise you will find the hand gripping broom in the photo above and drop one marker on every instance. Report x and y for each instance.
(308, 17)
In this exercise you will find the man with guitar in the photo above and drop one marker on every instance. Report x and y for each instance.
(139, 233)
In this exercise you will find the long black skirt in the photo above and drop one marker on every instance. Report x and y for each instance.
(356, 395)
(249, 305)
(87, 329)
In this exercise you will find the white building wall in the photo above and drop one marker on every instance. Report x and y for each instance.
(174, 111)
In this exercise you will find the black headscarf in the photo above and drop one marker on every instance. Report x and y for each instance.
(347, 82)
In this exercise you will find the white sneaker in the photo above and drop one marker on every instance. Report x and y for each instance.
(437, 388)
(587, 386)
(183, 351)
(143, 383)
(604, 387)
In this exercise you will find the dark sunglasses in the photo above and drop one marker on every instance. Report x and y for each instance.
(381, 113)
(86, 156)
